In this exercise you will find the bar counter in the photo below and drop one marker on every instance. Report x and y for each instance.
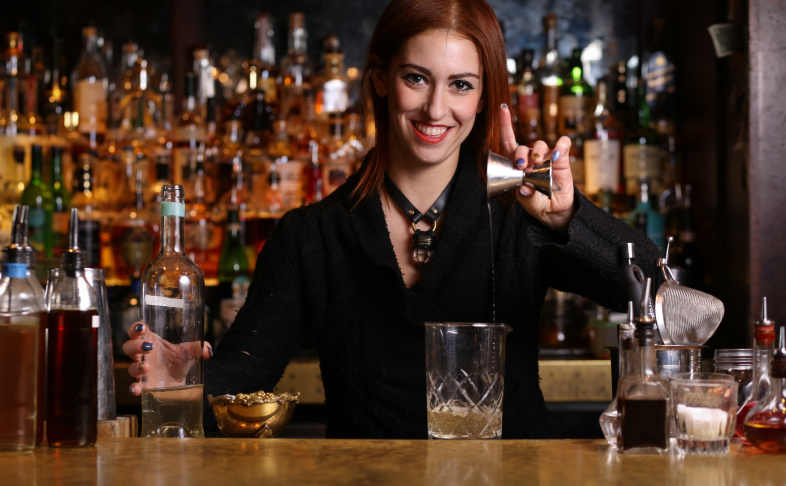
(229, 462)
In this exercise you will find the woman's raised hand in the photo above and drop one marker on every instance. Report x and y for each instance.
(555, 213)
(157, 362)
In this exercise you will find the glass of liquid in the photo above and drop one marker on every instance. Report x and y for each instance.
(703, 410)
(465, 370)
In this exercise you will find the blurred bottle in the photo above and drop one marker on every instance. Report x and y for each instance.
(134, 234)
(121, 86)
(204, 83)
(550, 77)
(763, 342)
(289, 169)
(573, 117)
(21, 311)
(340, 158)
(61, 202)
(124, 311)
(642, 154)
(212, 152)
(261, 71)
(89, 80)
(233, 274)
(331, 85)
(231, 143)
(90, 214)
(296, 72)
(56, 91)
(610, 418)
(313, 170)
(202, 234)
(528, 101)
(72, 347)
(687, 252)
(172, 291)
(38, 197)
(256, 144)
(188, 135)
(602, 148)
(645, 218)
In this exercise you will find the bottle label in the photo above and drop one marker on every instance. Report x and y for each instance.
(292, 183)
(642, 162)
(159, 301)
(602, 167)
(90, 103)
(572, 116)
(529, 108)
(137, 248)
(169, 208)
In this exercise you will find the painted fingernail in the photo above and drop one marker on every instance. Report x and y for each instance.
(210, 350)
(143, 367)
(555, 155)
(132, 389)
(147, 346)
(503, 105)
(521, 191)
(536, 156)
(139, 327)
(520, 162)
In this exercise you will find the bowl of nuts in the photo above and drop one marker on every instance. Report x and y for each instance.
(260, 414)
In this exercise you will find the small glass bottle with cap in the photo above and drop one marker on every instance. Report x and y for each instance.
(643, 394)
(765, 425)
(20, 315)
(72, 347)
(763, 338)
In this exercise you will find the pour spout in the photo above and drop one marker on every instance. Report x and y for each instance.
(73, 230)
(764, 309)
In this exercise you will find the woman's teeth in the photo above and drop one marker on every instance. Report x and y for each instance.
(430, 131)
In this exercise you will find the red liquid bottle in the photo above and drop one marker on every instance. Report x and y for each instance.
(763, 338)
(72, 346)
(765, 426)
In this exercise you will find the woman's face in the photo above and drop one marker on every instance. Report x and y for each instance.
(434, 87)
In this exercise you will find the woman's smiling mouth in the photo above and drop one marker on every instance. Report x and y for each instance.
(429, 133)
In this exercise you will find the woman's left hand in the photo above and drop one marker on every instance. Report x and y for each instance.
(554, 213)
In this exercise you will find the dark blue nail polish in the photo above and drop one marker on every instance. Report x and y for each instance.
(210, 350)
(146, 346)
(139, 327)
(555, 155)
(520, 162)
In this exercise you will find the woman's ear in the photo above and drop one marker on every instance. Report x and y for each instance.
(379, 78)
(481, 105)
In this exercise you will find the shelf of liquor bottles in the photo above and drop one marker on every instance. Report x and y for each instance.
(256, 135)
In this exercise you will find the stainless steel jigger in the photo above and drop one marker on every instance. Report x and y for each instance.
(502, 175)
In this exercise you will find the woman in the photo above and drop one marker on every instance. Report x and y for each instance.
(359, 275)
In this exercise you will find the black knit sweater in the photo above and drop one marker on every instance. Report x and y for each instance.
(330, 269)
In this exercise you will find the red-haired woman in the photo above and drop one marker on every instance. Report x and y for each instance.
(410, 239)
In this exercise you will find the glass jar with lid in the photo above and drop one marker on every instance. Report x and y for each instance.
(739, 364)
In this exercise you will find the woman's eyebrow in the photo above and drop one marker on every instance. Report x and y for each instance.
(428, 72)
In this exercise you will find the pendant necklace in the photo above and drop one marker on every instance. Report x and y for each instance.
(422, 240)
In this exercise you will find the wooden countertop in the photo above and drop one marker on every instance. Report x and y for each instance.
(228, 462)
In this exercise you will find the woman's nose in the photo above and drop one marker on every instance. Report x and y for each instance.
(436, 104)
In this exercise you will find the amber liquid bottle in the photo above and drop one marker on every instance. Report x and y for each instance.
(765, 426)
(72, 344)
(763, 339)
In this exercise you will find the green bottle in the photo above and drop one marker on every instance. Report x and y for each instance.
(38, 198)
(642, 154)
(61, 202)
(233, 263)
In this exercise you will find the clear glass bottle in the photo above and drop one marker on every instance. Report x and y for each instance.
(610, 418)
(90, 213)
(90, 83)
(765, 425)
(331, 86)
(550, 76)
(21, 311)
(72, 347)
(38, 197)
(172, 293)
(643, 394)
(763, 339)
(121, 86)
(645, 218)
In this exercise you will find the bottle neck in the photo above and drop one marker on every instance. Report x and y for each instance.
(646, 364)
(90, 44)
(37, 166)
(627, 350)
(57, 170)
(172, 227)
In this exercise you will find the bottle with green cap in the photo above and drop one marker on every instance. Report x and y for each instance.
(172, 294)
(72, 350)
(20, 315)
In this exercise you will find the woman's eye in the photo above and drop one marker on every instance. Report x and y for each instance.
(415, 78)
(462, 85)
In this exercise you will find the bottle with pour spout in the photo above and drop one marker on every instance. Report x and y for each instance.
(765, 425)
(610, 418)
(20, 315)
(172, 292)
(643, 394)
(763, 339)
(72, 351)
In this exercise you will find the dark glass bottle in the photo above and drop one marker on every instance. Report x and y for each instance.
(643, 394)
(72, 347)
(61, 202)
(38, 197)
(528, 101)
(550, 77)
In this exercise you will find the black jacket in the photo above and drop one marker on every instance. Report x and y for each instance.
(330, 269)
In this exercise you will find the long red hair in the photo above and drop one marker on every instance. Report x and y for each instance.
(402, 19)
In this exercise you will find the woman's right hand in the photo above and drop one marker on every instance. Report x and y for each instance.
(157, 362)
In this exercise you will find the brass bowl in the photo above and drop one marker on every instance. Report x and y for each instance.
(259, 414)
